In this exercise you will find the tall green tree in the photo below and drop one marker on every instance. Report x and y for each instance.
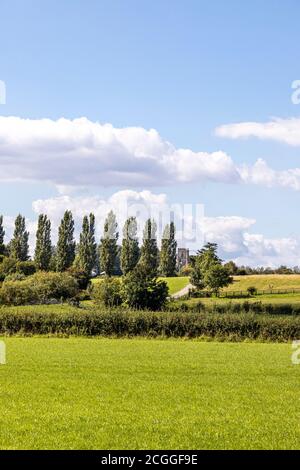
(130, 246)
(108, 249)
(87, 249)
(167, 266)
(19, 248)
(149, 251)
(2, 235)
(208, 270)
(65, 250)
(43, 247)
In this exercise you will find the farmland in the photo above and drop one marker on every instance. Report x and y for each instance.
(148, 394)
(265, 282)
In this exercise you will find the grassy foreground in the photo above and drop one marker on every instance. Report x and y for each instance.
(148, 394)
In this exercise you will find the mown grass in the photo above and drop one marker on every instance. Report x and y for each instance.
(265, 282)
(148, 394)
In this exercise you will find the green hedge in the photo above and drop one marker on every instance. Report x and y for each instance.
(121, 323)
(237, 308)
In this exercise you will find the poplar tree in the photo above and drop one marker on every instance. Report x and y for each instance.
(65, 251)
(2, 234)
(19, 247)
(87, 250)
(168, 253)
(130, 246)
(43, 247)
(149, 251)
(108, 249)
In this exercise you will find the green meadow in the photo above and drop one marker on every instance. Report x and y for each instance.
(81, 393)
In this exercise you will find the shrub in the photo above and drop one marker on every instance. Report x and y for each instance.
(108, 292)
(39, 288)
(15, 277)
(140, 291)
(10, 266)
(27, 268)
(252, 290)
(81, 277)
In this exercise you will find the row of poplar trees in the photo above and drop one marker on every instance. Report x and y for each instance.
(87, 255)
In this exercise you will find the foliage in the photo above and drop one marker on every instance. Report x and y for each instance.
(65, 250)
(82, 277)
(18, 247)
(168, 253)
(217, 277)
(39, 288)
(108, 292)
(130, 246)
(252, 290)
(208, 270)
(87, 249)
(149, 251)
(108, 246)
(43, 247)
(143, 292)
(11, 266)
(232, 268)
(237, 326)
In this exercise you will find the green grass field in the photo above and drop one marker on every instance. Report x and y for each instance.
(148, 394)
(175, 284)
(265, 282)
(267, 299)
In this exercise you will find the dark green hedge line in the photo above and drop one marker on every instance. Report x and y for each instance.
(137, 323)
(237, 307)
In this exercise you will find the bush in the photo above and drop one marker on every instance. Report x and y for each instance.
(107, 292)
(142, 292)
(39, 288)
(27, 268)
(252, 290)
(15, 277)
(81, 277)
(130, 323)
(10, 266)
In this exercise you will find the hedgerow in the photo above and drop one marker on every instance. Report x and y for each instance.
(129, 323)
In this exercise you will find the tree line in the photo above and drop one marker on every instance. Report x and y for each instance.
(89, 256)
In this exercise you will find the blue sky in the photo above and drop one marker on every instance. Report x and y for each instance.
(182, 68)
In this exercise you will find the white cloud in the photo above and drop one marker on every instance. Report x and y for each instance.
(280, 130)
(261, 251)
(75, 153)
(261, 174)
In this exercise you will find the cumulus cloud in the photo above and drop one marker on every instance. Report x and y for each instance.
(75, 153)
(261, 251)
(261, 174)
(279, 130)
